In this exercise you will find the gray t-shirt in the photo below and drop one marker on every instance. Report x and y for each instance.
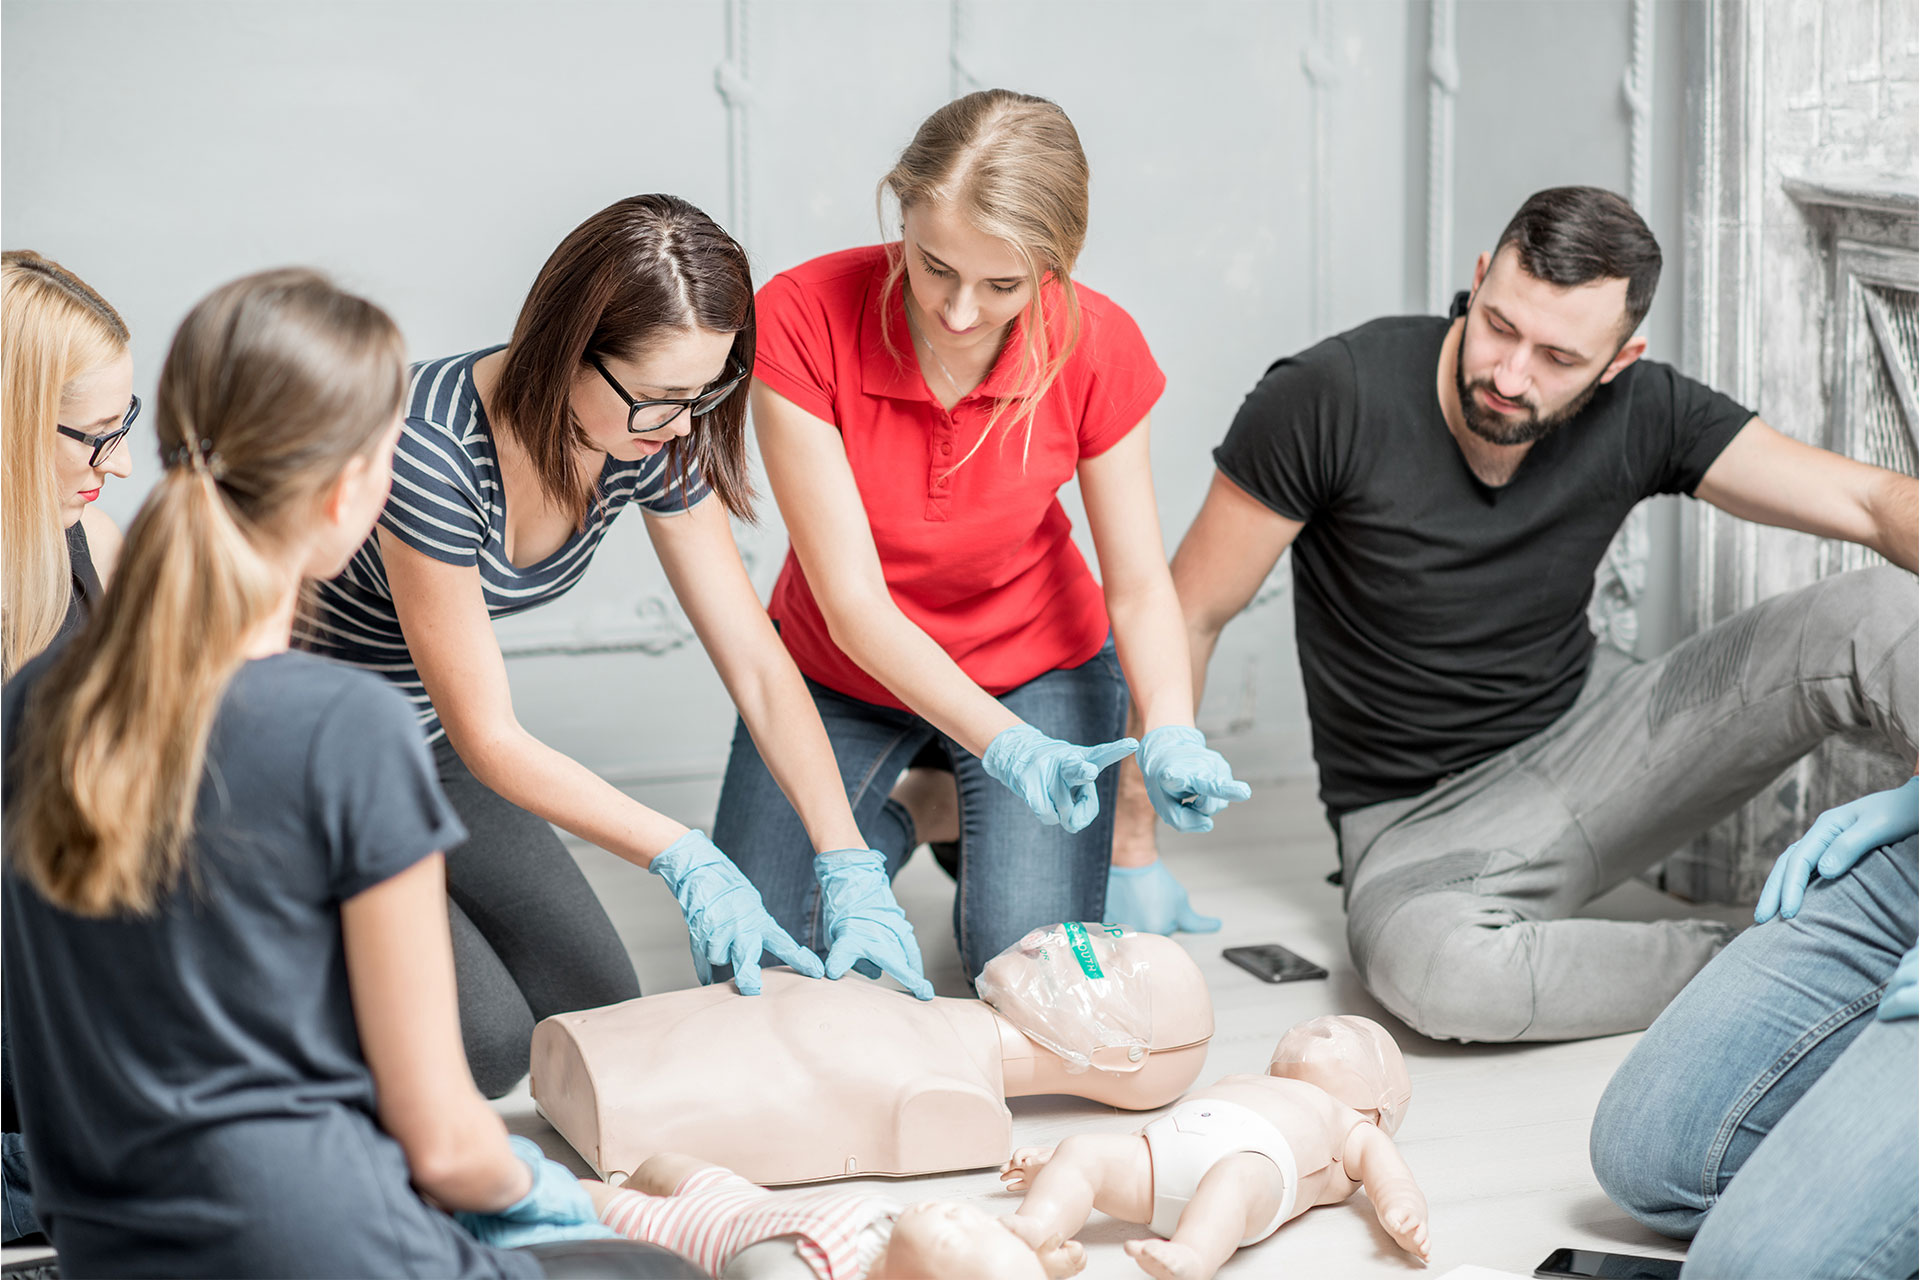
(194, 1095)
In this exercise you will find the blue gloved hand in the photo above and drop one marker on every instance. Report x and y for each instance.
(1901, 999)
(866, 929)
(557, 1208)
(1837, 839)
(1149, 900)
(1055, 778)
(726, 921)
(1187, 781)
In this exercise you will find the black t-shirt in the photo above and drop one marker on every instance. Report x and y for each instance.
(1440, 620)
(86, 581)
(194, 1095)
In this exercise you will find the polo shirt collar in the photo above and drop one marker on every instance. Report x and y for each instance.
(897, 376)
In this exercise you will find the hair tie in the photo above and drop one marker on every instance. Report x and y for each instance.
(200, 455)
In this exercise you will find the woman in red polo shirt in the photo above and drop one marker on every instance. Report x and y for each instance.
(919, 405)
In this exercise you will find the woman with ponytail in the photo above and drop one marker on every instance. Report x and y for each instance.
(226, 952)
(66, 401)
(622, 386)
(919, 404)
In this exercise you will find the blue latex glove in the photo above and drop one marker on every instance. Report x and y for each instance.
(866, 929)
(1837, 839)
(726, 922)
(557, 1208)
(1055, 778)
(1149, 900)
(1187, 781)
(1901, 999)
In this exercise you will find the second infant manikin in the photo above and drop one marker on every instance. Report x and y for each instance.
(1233, 1161)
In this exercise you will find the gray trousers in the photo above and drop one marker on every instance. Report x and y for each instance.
(1459, 898)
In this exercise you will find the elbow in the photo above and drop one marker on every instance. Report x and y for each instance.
(457, 1163)
(851, 624)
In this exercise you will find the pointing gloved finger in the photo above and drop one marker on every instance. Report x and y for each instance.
(701, 969)
(796, 957)
(746, 963)
(1107, 753)
(1224, 790)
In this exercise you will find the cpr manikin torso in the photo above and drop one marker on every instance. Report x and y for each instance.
(1236, 1159)
(812, 1080)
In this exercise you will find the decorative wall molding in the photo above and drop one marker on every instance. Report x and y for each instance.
(1443, 85)
(962, 79)
(1621, 583)
(1318, 65)
(736, 90)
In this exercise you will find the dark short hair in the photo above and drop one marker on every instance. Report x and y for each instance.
(640, 270)
(1575, 235)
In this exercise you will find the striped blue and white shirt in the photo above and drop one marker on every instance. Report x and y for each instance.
(447, 504)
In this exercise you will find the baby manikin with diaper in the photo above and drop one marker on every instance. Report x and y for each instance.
(1233, 1161)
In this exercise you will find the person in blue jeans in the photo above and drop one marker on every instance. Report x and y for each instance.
(919, 405)
(1769, 1114)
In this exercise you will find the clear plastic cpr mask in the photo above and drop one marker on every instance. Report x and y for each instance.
(1352, 1058)
(1077, 990)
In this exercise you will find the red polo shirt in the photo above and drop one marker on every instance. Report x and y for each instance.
(982, 559)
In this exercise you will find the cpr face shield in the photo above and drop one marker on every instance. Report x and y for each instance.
(1081, 990)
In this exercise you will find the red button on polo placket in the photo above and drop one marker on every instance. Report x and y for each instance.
(939, 460)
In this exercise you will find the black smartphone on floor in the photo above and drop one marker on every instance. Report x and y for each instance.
(1590, 1264)
(1273, 963)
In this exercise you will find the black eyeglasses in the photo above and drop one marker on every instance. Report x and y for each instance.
(105, 443)
(700, 406)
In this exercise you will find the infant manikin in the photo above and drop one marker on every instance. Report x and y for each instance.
(739, 1231)
(1233, 1161)
(813, 1080)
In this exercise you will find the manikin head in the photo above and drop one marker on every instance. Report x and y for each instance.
(949, 1240)
(1100, 995)
(1351, 1058)
(1553, 313)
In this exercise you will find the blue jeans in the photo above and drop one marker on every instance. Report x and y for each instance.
(1014, 872)
(16, 1184)
(1767, 1114)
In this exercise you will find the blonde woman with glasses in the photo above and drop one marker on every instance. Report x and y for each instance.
(66, 401)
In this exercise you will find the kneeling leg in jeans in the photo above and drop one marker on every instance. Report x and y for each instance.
(1460, 898)
(1767, 1115)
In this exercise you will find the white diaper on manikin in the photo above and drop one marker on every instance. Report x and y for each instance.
(1198, 1134)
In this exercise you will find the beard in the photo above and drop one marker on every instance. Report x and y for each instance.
(1508, 429)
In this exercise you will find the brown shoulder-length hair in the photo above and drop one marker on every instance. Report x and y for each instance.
(639, 270)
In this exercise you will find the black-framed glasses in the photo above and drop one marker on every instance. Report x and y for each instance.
(699, 406)
(104, 443)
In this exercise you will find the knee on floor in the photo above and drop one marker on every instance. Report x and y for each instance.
(1469, 979)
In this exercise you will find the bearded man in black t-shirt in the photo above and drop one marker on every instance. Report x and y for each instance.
(1448, 487)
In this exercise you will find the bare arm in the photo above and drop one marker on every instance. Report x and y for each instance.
(1231, 548)
(703, 565)
(1374, 1162)
(103, 542)
(443, 616)
(1773, 479)
(813, 483)
(1141, 605)
(400, 972)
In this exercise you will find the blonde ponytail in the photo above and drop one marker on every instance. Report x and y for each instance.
(273, 384)
(54, 330)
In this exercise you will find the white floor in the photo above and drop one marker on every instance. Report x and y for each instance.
(1497, 1135)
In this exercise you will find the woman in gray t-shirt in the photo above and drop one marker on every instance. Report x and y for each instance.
(235, 1030)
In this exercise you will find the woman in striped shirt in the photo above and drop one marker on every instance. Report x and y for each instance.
(618, 388)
